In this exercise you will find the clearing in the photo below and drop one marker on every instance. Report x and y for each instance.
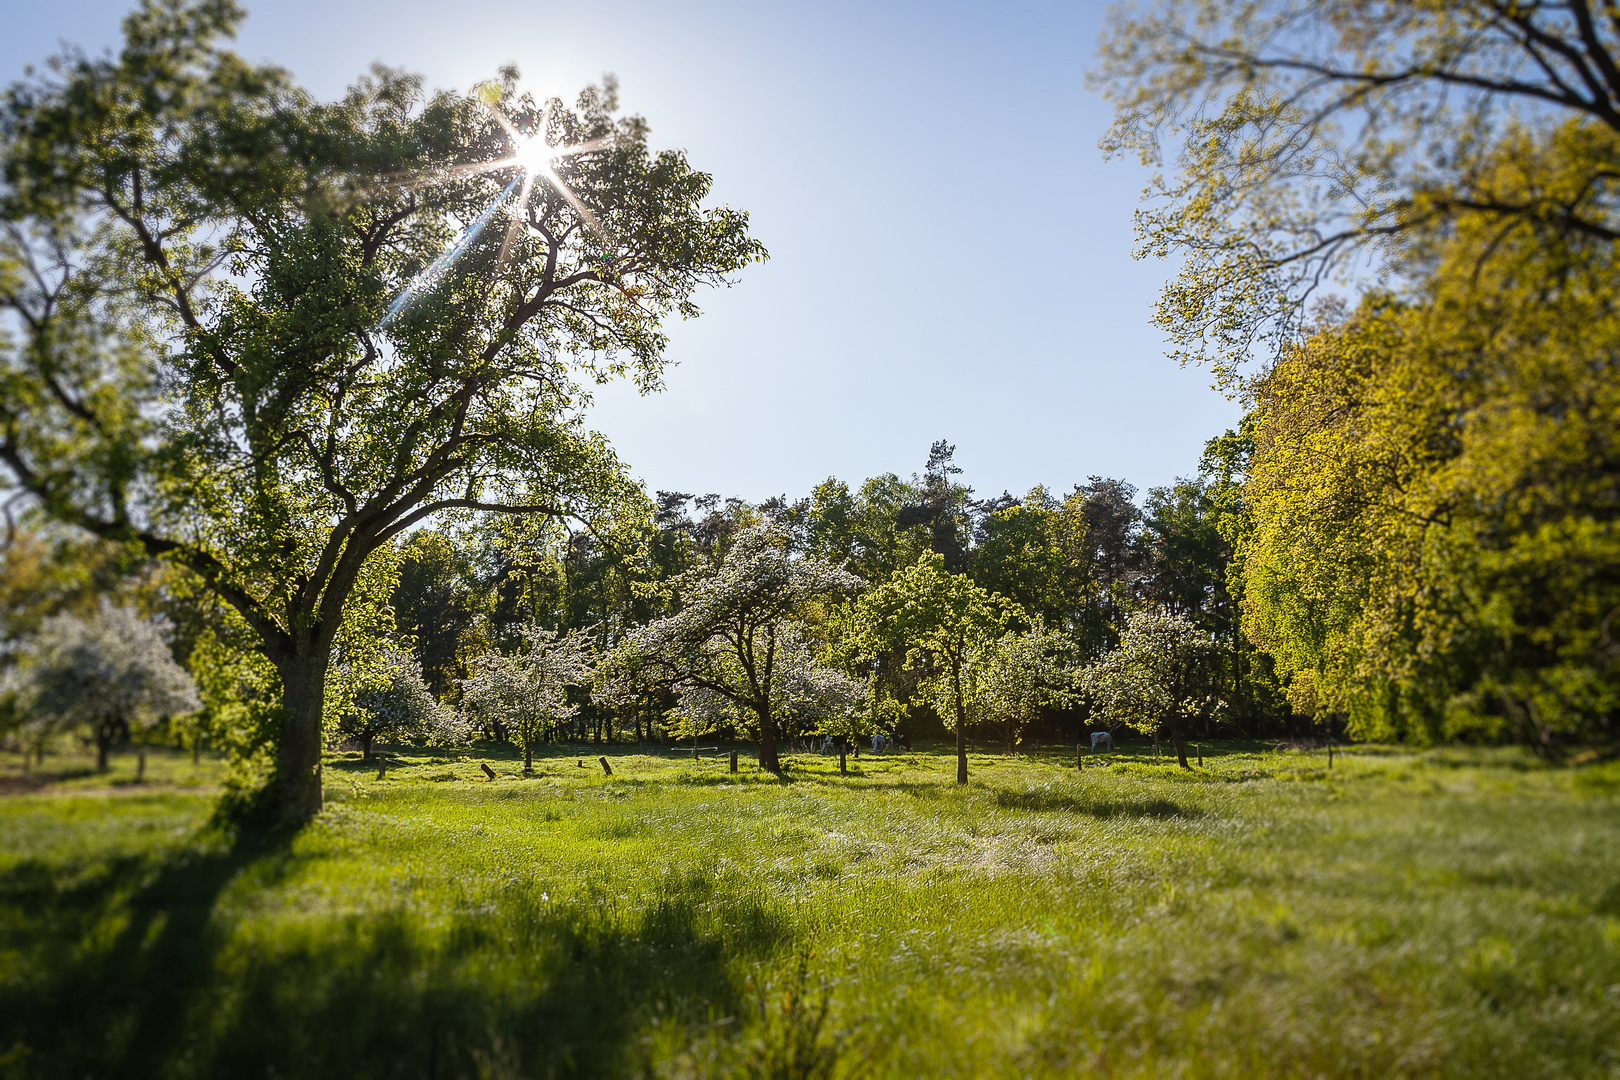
(1445, 913)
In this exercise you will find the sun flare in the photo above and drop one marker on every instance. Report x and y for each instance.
(535, 159)
(534, 156)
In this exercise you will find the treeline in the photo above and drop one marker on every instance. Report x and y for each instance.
(1079, 562)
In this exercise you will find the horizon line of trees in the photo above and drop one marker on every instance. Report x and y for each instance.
(462, 614)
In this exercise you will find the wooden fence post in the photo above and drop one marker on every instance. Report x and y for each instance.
(489, 772)
(734, 761)
(605, 766)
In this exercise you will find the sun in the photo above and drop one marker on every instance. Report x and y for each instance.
(535, 159)
(534, 156)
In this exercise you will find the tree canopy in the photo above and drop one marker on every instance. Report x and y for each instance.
(1317, 142)
(241, 348)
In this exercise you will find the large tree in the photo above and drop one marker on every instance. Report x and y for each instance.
(1432, 543)
(262, 335)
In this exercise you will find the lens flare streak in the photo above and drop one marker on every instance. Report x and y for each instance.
(533, 158)
(440, 265)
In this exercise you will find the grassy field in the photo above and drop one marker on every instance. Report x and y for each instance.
(1444, 914)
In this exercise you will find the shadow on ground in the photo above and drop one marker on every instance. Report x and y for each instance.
(133, 975)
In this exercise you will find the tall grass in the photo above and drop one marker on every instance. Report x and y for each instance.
(1452, 913)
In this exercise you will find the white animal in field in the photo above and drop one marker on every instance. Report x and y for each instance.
(1101, 738)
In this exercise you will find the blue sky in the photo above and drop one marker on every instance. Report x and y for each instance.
(950, 255)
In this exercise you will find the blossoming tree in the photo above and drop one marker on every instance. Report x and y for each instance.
(736, 649)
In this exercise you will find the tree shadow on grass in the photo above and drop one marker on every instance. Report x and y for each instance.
(1095, 804)
(29, 782)
(128, 971)
(107, 953)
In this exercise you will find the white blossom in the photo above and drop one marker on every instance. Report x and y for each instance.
(94, 675)
(391, 701)
(735, 651)
(525, 693)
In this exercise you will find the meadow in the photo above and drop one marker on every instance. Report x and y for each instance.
(1446, 913)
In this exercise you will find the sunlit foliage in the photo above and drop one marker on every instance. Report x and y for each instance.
(1434, 546)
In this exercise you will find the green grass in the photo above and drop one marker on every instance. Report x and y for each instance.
(1448, 914)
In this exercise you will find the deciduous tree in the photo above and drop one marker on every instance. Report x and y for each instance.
(1157, 678)
(1430, 547)
(941, 620)
(103, 674)
(524, 694)
(736, 645)
(1024, 672)
(391, 701)
(240, 346)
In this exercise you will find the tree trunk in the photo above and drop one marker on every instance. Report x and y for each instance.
(196, 750)
(103, 741)
(767, 744)
(1175, 736)
(961, 726)
(298, 758)
(528, 756)
(365, 747)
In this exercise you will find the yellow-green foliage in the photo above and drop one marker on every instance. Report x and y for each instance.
(1398, 914)
(1434, 542)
